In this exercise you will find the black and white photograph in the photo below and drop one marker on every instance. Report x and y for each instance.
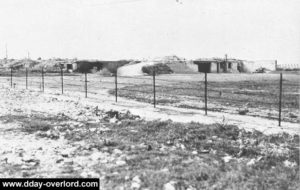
(150, 94)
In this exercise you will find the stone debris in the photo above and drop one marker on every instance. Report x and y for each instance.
(288, 163)
(227, 158)
(170, 186)
(251, 162)
(117, 152)
(120, 163)
(136, 183)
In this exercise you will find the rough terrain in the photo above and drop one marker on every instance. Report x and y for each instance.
(50, 135)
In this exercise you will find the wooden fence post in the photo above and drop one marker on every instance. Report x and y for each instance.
(280, 96)
(154, 90)
(62, 80)
(11, 75)
(116, 85)
(26, 78)
(43, 79)
(85, 84)
(205, 93)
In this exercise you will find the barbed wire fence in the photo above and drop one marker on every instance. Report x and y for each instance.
(255, 96)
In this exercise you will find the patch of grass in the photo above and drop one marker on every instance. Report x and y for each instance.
(226, 96)
(171, 156)
(190, 154)
(35, 122)
(36, 125)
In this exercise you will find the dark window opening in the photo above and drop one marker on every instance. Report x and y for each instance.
(223, 65)
(204, 67)
(69, 66)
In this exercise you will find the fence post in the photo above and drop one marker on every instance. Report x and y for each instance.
(205, 93)
(154, 91)
(85, 84)
(280, 96)
(11, 74)
(43, 79)
(62, 80)
(116, 85)
(26, 78)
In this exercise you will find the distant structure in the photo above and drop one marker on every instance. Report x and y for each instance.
(294, 65)
(217, 65)
(96, 65)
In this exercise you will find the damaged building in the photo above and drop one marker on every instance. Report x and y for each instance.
(219, 65)
(93, 66)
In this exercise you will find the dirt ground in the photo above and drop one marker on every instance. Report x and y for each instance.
(52, 135)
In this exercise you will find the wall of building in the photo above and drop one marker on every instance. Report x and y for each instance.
(74, 65)
(233, 67)
(203, 66)
(214, 67)
(88, 66)
(218, 67)
(192, 66)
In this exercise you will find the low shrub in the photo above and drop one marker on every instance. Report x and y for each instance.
(159, 69)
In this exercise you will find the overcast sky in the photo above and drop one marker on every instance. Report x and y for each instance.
(117, 29)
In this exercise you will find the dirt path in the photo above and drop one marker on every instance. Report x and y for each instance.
(107, 102)
(147, 111)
